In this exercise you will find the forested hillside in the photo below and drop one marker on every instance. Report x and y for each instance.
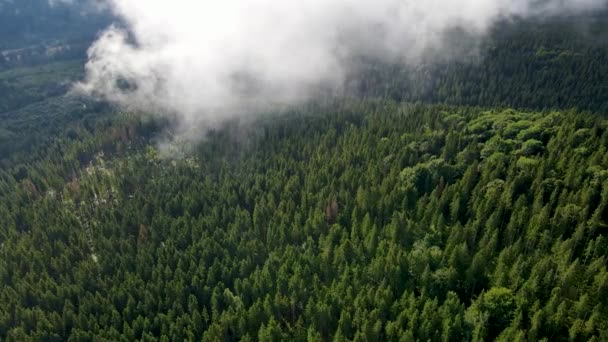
(556, 63)
(356, 221)
(28, 23)
(418, 207)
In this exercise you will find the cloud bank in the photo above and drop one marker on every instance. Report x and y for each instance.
(206, 60)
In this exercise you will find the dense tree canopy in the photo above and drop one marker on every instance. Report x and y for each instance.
(417, 207)
(379, 221)
(556, 63)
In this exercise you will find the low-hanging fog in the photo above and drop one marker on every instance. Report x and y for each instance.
(204, 61)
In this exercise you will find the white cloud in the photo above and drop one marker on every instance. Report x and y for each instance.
(206, 60)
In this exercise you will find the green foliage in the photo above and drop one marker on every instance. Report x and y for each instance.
(379, 221)
(357, 220)
(537, 64)
(491, 313)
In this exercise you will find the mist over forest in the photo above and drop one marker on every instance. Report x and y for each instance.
(261, 170)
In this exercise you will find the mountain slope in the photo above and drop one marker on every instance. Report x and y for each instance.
(378, 221)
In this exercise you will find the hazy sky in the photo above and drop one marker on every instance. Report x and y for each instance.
(206, 60)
